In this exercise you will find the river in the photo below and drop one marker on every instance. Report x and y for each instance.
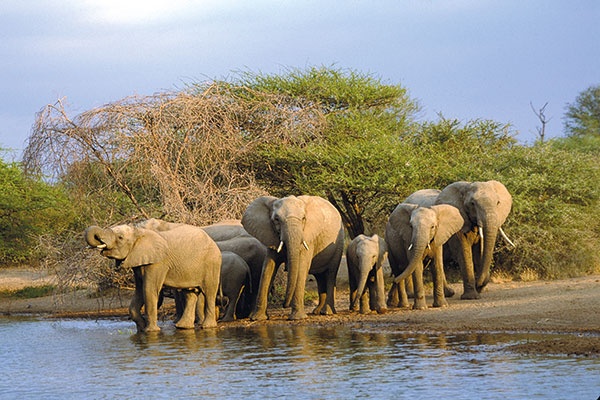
(105, 359)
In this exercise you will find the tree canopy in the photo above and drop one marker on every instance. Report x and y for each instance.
(583, 116)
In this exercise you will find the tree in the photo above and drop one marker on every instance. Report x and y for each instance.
(348, 160)
(28, 207)
(583, 116)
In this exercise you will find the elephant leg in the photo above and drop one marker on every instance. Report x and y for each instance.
(439, 279)
(200, 301)
(353, 284)
(393, 299)
(210, 305)
(364, 302)
(465, 255)
(268, 273)
(137, 301)
(189, 311)
(153, 280)
(377, 293)
(417, 277)
(297, 302)
(326, 292)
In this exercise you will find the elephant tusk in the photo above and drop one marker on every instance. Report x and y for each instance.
(305, 244)
(428, 246)
(481, 245)
(506, 238)
(280, 247)
(410, 247)
(101, 246)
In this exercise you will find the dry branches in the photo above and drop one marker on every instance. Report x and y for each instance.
(176, 154)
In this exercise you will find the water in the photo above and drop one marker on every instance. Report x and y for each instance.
(105, 359)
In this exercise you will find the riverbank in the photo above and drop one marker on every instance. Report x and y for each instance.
(568, 306)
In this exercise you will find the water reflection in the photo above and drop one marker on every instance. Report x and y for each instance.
(80, 358)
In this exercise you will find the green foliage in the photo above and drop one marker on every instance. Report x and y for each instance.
(556, 203)
(29, 292)
(29, 207)
(583, 116)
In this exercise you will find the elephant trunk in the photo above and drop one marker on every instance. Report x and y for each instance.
(98, 237)
(364, 268)
(292, 237)
(490, 233)
(416, 255)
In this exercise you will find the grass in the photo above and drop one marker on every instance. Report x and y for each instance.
(28, 292)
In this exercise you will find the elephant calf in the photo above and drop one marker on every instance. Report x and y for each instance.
(365, 256)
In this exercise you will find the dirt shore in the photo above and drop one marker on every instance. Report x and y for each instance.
(570, 306)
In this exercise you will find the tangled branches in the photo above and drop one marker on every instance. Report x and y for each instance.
(177, 154)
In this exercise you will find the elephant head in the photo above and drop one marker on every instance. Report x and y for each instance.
(484, 207)
(423, 230)
(365, 256)
(283, 225)
(130, 246)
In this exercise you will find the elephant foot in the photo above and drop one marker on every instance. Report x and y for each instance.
(382, 310)
(327, 310)
(420, 305)
(448, 291)
(296, 315)
(470, 295)
(151, 328)
(392, 303)
(180, 325)
(440, 304)
(209, 324)
(258, 316)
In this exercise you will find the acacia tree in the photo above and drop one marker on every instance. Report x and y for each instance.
(348, 162)
(583, 116)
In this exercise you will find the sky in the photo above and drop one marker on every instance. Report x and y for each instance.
(463, 59)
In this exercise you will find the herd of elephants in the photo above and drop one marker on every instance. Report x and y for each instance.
(236, 261)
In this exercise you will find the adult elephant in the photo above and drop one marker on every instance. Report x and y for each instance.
(484, 207)
(415, 234)
(184, 257)
(365, 256)
(306, 233)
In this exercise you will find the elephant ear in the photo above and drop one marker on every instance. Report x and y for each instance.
(382, 251)
(450, 221)
(149, 248)
(504, 198)
(454, 194)
(257, 221)
(400, 219)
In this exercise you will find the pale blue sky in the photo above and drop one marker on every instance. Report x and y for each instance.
(465, 59)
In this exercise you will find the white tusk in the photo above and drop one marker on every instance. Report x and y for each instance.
(410, 247)
(101, 246)
(280, 246)
(481, 244)
(506, 238)
(429, 246)
(305, 245)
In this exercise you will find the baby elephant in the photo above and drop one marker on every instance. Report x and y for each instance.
(236, 286)
(365, 256)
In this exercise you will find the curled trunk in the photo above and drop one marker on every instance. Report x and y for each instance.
(97, 237)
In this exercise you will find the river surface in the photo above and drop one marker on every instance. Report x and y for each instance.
(106, 359)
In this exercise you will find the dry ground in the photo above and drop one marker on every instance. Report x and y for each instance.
(569, 306)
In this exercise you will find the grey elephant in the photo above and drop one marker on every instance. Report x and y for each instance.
(184, 257)
(365, 256)
(484, 207)
(253, 252)
(306, 233)
(416, 234)
(236, 286)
